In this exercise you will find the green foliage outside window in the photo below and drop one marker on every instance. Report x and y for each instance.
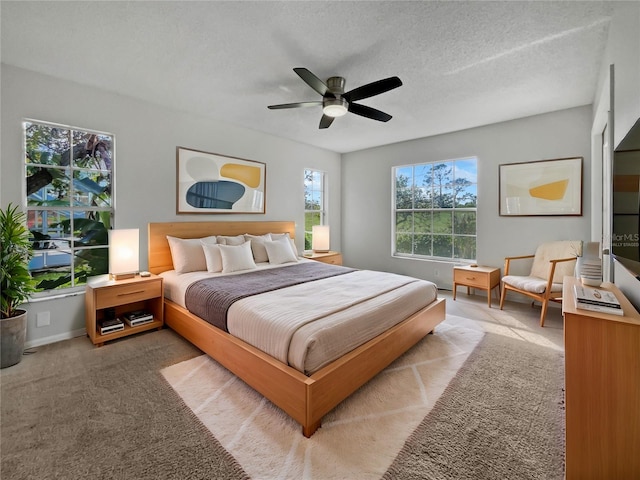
(69, 184)
(314, 204)
(435, 209)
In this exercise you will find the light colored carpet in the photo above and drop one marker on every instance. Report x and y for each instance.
(359, 439)
(71, 411)
(502, 416)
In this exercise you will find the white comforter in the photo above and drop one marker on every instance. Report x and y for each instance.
(312, 324)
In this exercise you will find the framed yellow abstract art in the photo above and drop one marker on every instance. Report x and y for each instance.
(213, 183)
(545, 187)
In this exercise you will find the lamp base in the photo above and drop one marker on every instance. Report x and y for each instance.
(121, 276)
(315, 250)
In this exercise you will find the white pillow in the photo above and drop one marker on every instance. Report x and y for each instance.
(187, 253)
(213, 257)
(278, 236)
(279, 251)
(257, 246)
(225, 240)
(236, 257)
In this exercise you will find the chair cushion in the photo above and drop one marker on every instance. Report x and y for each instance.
(554, 251)
(530, 284)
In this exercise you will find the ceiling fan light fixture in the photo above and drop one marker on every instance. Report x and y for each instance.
(334, 107)
(336, 103)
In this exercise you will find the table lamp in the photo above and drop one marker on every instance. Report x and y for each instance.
(320, 238)
(124, 246)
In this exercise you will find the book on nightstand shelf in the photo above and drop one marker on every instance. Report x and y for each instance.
(111, 325)
(597, 300)
(138, 317)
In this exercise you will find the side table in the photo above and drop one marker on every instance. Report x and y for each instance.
(334, 258)
(484, 278)
(122, 296)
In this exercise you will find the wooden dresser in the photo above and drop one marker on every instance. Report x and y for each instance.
(602, 389)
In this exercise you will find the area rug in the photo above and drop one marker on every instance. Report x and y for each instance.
(508, 425)
(359, 439)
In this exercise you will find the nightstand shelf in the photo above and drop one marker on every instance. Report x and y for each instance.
(120, 297)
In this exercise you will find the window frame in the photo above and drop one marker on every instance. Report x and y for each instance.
(323, 203)
(107, 212)
(431, 210)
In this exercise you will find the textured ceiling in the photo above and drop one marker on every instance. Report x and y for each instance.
(463, 64)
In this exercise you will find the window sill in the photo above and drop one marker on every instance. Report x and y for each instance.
(55, 295)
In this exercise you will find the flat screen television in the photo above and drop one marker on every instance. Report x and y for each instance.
(625, 238)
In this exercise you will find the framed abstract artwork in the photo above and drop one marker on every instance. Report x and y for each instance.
(545, 187)
(213, 183)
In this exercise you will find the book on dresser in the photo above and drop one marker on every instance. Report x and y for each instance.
(597, 300)
(138, 317)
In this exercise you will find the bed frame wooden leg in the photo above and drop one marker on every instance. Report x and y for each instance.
(308, 430)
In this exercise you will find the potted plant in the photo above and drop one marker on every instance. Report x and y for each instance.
(15, 283)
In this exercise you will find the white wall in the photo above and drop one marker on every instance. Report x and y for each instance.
(367, 187)
(623, 53)
(146, 140)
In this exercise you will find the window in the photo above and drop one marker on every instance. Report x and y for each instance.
(314, 203)
(69, 187)
(434, 207)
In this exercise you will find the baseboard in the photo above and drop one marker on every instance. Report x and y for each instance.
(515, 298)
(55, 338)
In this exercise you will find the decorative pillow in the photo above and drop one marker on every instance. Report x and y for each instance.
(279, 251)
(187, 253)
(294, 249)
(278, 236)
(257, 246)
(237, 240)
(236, 257)
(213, 257)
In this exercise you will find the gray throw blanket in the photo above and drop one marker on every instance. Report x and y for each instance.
(210, 298)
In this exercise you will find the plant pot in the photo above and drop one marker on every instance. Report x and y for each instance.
(13, 331)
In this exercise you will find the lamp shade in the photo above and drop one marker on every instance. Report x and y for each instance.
(320, 238)
(124, 253)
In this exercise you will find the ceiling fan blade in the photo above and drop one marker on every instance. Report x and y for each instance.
(326, 121)
(369, 112)
(313, 81)
(374, 88)
(294, 105)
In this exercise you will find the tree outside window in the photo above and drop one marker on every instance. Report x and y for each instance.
(69, 185)
(435, 209)
(314, 203)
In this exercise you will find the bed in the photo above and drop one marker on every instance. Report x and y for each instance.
(304, 397)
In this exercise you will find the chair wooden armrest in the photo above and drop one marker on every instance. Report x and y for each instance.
(552, 269)
(558, 260)
(507, 261)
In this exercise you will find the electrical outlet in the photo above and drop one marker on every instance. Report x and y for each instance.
(43, 319)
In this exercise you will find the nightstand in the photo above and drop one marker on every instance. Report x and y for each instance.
(484, 278)
(334, 258)
(110, 297)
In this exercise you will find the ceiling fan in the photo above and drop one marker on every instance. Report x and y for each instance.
(336, 103)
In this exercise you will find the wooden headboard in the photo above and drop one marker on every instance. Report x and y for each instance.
(159, 255)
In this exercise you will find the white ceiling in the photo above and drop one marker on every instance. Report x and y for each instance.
(463, 64)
